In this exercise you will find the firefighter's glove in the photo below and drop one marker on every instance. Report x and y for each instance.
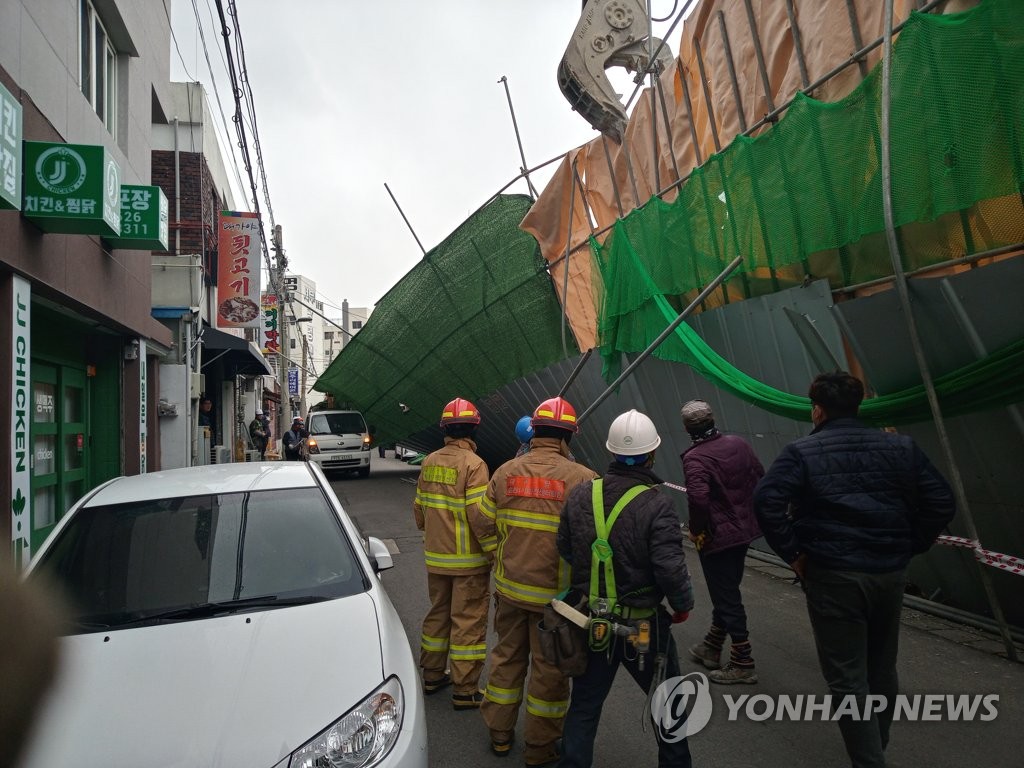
(680, 616)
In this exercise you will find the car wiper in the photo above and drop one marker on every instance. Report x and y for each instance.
(227, 606)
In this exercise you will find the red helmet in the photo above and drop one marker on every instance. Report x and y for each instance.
(555, 412)
(460, 411)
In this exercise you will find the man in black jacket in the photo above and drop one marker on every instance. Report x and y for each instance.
(624, 544)
(847, 507)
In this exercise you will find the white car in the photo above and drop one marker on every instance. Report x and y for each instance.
(225, 615)
(338, 441)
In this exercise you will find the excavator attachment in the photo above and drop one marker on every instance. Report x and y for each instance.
(610, 33)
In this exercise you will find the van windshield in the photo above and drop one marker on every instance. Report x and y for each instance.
(337, 424)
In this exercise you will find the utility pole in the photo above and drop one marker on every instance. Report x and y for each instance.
(282, 328)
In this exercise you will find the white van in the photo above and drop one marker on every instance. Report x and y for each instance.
(339, 441)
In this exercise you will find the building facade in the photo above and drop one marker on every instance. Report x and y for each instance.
(82, 83)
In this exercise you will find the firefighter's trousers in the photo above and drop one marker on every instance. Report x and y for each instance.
(547, 691)
(456, 628)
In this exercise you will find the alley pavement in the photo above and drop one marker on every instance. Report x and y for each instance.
(936, 657)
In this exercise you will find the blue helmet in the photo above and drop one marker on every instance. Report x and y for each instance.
(524, 430)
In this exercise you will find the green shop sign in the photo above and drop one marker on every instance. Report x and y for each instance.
(143, 219)
(72, 189)
(10, 151)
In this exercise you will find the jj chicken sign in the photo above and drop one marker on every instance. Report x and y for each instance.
(238, 271)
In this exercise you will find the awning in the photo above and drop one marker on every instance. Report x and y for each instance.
(239, 357)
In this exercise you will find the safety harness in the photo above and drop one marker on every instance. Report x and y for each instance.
(607, 605)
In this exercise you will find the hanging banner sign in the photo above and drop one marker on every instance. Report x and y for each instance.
(21, 412)
(143, 219)
(238, 270)
(72, 189)
(10, 151)
(293, 381)
(270, 343)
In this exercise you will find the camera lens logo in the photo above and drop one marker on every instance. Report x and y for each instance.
(681, 706)
(60, 170)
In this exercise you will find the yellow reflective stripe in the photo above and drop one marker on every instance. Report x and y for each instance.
(445, 560)
(503, 695)
(549, 414)
(439, 501)
(488, 543)
(567, 417)
(536, 521)
(542, 708)
(434, 644)
(468, 652)
(467, 413)
(435, 473)
(525, 592)
(487, 507)
(474, 495)
(461, 531)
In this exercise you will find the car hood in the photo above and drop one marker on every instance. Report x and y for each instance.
(239, 690)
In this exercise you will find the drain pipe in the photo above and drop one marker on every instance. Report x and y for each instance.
(903, 292)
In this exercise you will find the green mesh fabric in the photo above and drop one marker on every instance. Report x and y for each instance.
(805, 198)
(477, 312)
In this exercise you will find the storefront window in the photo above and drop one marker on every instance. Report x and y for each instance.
(44, 507)
(73, 404)
(74, 451)
(45, 454)
(45, 411)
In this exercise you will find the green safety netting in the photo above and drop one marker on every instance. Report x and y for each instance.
(477, 312)
(805, 199)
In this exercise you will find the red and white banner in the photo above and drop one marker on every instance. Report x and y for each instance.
(238, 271)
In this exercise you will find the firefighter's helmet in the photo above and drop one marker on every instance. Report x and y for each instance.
(555, 412)
(460, 411)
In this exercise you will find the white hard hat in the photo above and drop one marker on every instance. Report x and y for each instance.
(259, 412)
(632, 434)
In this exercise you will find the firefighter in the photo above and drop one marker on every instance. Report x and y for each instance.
(457, 539)
(525, 499)
(624, 545)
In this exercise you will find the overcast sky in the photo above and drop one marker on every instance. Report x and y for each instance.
(350, 95)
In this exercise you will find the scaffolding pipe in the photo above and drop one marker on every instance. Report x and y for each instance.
(575, 372)
(903, 292)
(707, 291)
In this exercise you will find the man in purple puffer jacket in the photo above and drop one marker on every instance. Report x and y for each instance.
(721, 474)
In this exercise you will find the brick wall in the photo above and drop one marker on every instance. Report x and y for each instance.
(200, 205)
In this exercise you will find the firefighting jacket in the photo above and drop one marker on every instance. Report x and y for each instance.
(450, 488)
(524, 500)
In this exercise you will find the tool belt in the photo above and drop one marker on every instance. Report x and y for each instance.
(562, 643)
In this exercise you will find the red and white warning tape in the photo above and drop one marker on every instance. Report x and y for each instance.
(1007, 563)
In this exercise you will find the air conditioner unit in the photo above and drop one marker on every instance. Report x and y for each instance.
(252, 455)
(221, 454)
(198, 385)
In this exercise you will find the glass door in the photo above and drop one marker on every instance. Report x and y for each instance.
(59, 444)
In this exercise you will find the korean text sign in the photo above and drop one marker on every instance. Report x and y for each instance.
(238, 270)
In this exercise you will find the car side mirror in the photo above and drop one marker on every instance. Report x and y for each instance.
(380, 555)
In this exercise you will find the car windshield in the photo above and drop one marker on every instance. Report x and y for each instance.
(336, 424)
(190, 556)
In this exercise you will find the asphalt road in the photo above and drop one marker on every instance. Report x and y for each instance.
(936, 657)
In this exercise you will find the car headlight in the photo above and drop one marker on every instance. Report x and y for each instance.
(360, 738)
(366, 442)
(311, 446)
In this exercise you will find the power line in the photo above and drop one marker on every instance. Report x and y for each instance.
(216, 93)
(242, 141)
(175, 39)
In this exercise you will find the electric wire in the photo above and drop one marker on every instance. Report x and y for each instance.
(216, 92)
(243, 142)
(175, 39)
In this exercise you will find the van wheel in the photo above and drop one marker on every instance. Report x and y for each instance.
(364, 471)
